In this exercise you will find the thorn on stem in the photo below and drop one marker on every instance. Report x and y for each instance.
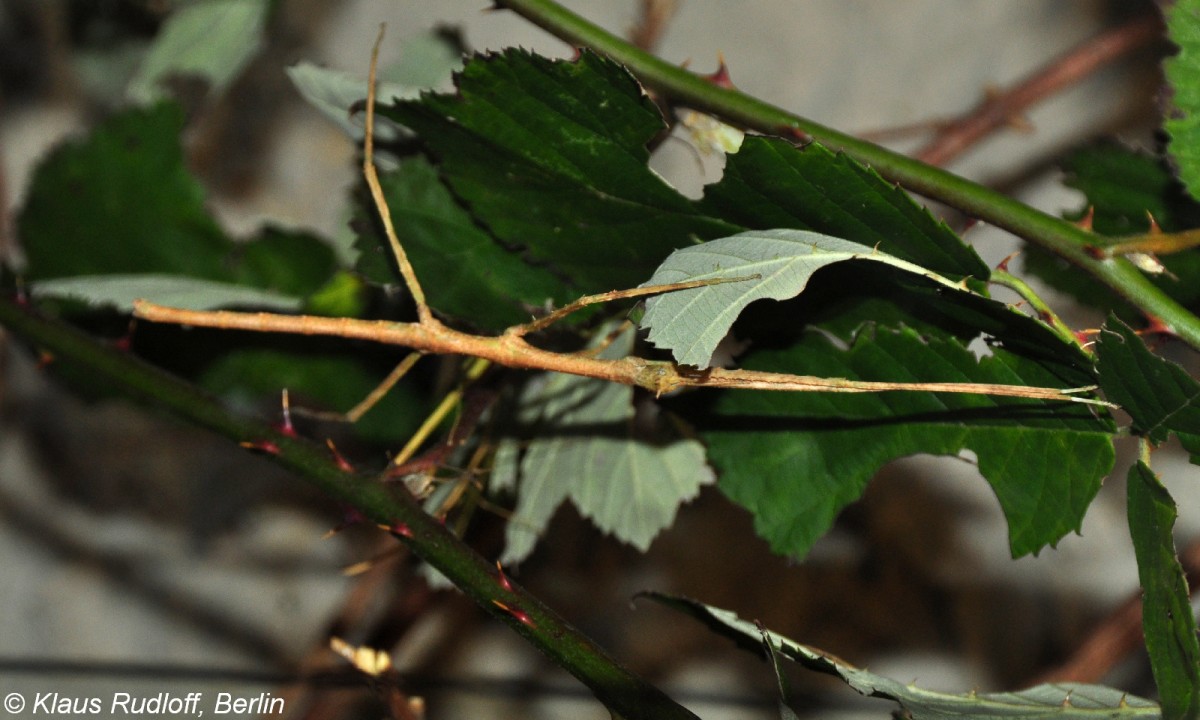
(1003, 264)
(516, 613)
(286, 426)
(720, 78)
(1154, 228)
(264, 446)
(502, 579)
(341, 462)
(1085, 222)
(399, 529)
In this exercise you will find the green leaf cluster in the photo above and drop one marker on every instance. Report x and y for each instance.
(549, 158)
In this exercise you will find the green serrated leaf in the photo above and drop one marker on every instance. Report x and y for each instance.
(813, 453)
(1059, 701)
(1182, 71)
(771, 183)
(772, 264)
(551, 156)
(1167, 616)
(121, 201)
(120, 291)
(1159, 395)
(585, 450)
(464, 272)
(213, 40)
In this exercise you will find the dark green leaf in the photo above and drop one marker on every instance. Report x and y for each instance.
(1158, 394)
(286, 261)
(551, 156)
(1167, 618)
(813, 453)
(121, 201)
(770, 183)
(464, 272)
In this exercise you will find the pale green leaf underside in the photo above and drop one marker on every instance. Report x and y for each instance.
(178, 291)
(213, 40)
(777, 265)
(1060, 701)
(628, 486)
(426, 61)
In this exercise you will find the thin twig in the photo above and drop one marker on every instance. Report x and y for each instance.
(385, 215)
(474, 371)
(1003, 108)
(372, 399)
(1157, 243)
(544, 322)
(512, 351)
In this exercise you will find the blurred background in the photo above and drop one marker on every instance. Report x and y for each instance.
(143, 556)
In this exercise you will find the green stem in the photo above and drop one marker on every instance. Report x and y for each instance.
(387, 505)
(1052, 233)
(1044, 312)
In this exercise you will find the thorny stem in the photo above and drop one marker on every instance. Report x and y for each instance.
(385, 504)
(1043, 310)
(1054, 234)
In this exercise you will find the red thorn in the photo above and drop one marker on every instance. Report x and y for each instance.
(502, 579)
(1003, 264)
(286, 426)
(1095, 252)
(45, 360)
(1156, 326)
(1085, 222)
(265, 446)
(338, 460)
(720, 78)
(1154, 228)
(516, 613)
(795, 133)
(350, 517)
(402, 529)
